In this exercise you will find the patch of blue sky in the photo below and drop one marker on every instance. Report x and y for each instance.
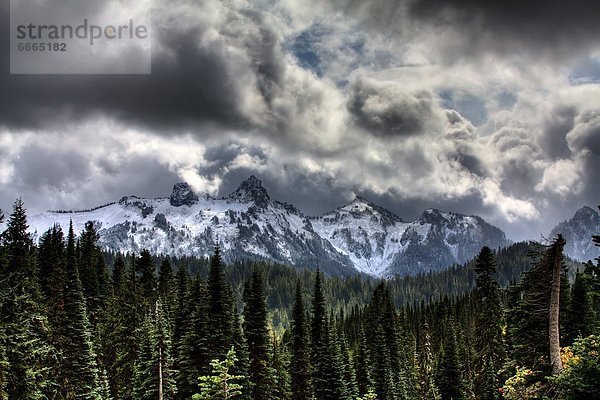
(469, 106)
(586, 71)
(333, 51)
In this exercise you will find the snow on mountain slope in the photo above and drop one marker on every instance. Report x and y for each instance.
(578, 233)
(438, 239)
(359, 236)
(368, 234)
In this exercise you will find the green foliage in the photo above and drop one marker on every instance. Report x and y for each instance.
(193, 347)
(220, 384)
(300, 363)
(153, 372)
(257, 337)
(581, 377)
(27, 357)
(79, 369)
(489, 341)
(438, 335)
(220, 308)
(449, 377)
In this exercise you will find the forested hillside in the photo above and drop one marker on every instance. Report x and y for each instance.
(78, 323)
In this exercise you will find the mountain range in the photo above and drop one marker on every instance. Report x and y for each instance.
(357, 237)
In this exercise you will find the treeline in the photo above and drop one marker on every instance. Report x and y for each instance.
(76, 323)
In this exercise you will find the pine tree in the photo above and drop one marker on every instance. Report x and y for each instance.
(79, 360)
(179, 317)
(51, 269)
(220, 306)
(533, 332)
(119, 277)
(348, 373)
(194, 347)
(281, 385)
(327, 369)
(489, 343)
(363, 365)
(428, 390)
(300, 363)
(221, 384)
(241, 367)
(153, 376)
(146, 270)
(449, 378)
(257, 337)
(580, 312)
(27, 365)
(165, 279)
(89, 257)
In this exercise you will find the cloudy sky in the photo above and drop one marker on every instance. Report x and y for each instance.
(487, 108)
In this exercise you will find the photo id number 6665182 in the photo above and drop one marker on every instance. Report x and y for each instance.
(39, 47)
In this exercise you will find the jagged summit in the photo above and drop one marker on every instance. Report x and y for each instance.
(183, 194)
(251, 191)
(578, 233)
(585, 212)
(359, 236)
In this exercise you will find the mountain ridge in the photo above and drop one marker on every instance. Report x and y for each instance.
(359, 236)
(578, 232)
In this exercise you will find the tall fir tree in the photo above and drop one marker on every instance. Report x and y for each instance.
(146, 270)
(51, 269)
(327, 368)
(489, 342)
(428, 389)
(194, 347)
(350, 388)
(153, 374)
(79, 367)
(242, 366)
(363, 365)
(89, 257)
(257, 337)
(530, 322)
(449, 378)
(300, 362)
(28, 363)
(220, 306)
(165, 279)
(179, 316)
(280, 365)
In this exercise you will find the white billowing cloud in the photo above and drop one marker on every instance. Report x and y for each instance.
(380, 117)
(562, 178)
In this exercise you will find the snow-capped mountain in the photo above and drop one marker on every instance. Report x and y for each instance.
(578, 233)
(359, 236)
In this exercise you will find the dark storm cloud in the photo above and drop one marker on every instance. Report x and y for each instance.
(67, 180)
(40, 167)
(556, 126)
(555, 27)
(585, 136)
(387, 112)
(539, 27)
(190, 83)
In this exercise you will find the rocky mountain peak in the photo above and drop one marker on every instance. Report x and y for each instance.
(251, 191)
(585, 213)
(182, 195)
(578, 233)
(432, 216)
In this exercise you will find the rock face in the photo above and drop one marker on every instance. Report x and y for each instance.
(357, 237)
(182, 195)
(251, 191)
(578, 233)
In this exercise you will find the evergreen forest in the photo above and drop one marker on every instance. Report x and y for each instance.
(76, 322)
